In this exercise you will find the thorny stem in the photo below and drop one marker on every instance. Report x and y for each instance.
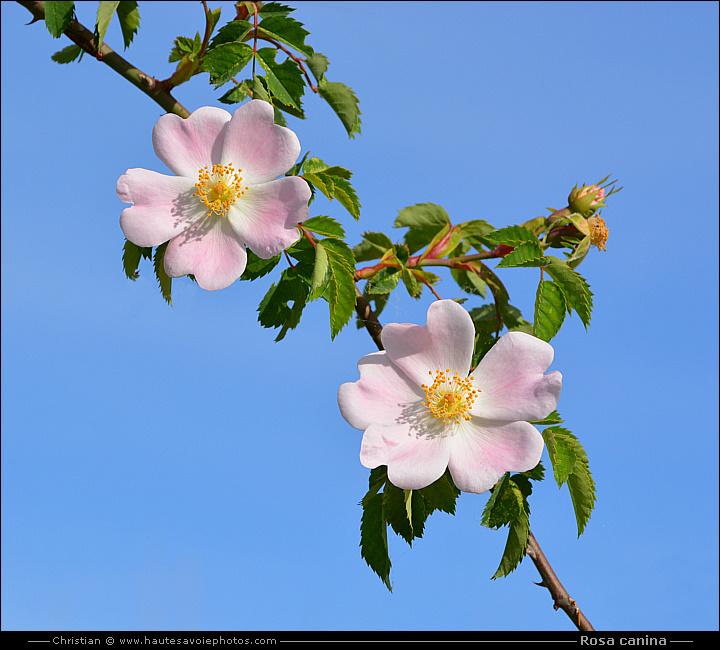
(561, 598)
(83, 37)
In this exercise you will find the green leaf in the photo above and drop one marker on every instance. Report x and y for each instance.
(105, 12)
(324, 226)
(284, 80)
(257, 267)
(411, 284)
(510, 236)
(469, 282)
(234, 31)
(508, 506)
(384, 281)
(58, 16)
(553, 418)
(340, 292)
(286, 30)
(164, 280)
(373, 537)
(441, 495)
(283, 304)
(225, 61)
(333, 182)
(404, 512)
(67, 54)
(549, 310)
(473, 232)
(526, 254)
(274, 9)
(344, 102)
(425, 220)
(574, 287)
(129, 17)
(319, 284)
(373, 246)
(570, 465)
(318, 64)
(236, 94)
(132, 254)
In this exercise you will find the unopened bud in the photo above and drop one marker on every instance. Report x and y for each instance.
(587, 199)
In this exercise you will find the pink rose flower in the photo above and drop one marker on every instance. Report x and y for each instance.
(224, 195)
(422, 413)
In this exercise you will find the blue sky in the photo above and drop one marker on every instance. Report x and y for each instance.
(175, 468)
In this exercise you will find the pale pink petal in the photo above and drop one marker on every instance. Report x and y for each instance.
(163, 206)
(510, 377)
(483, 450)
(381, 395)
(188, 145)
(211, 251)
(446, 342)
(258, 146)
(266, 215)
(413, 461)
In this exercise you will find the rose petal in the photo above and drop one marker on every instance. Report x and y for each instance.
(211, 251)
(484, 450)
(266, 215)
(510, 377)
(380, 396)
(188, 145)
(413, 461)
(258, 146)
(163, 206)
(445, 342)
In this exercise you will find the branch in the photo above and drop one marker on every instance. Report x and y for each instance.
(561, 598)
(83, 37)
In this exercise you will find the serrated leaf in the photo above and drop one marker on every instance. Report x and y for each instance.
(549, 310)
(527, 254)
(424, 221)
(324, 226)
(274, 9)
(344, 102)
(234, 31)
(510, 236)
(318, 284)
(333, 183)
(516, 545)
(570, 465)
(67, 54)
(286, 30)
(469, 282)
(283, 304)
(236, 94)
(257, 267)
(340, 292)
(473, 232)
(553, 418)
(284, 80)
(441, 495)
(164, 280)
(132, 254)
(318, 64)
(384, 281)
(225, 61)
(373, 538)
(105, 12)
(504, 504)
(411, 284)
(58, 16)
(575, 289)
(129, 16)
(373, 246)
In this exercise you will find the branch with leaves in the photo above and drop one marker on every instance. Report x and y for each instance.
(311, 261)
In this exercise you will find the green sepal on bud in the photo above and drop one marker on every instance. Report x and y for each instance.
(587, 199)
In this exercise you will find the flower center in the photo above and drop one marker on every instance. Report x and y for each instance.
(450, 397)
(218, 188)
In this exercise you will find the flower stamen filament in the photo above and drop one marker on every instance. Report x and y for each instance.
(450, 398)
(218, 188)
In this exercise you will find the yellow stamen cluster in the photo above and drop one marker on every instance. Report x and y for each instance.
(598, 232)
(450, 397)
(218, 188)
